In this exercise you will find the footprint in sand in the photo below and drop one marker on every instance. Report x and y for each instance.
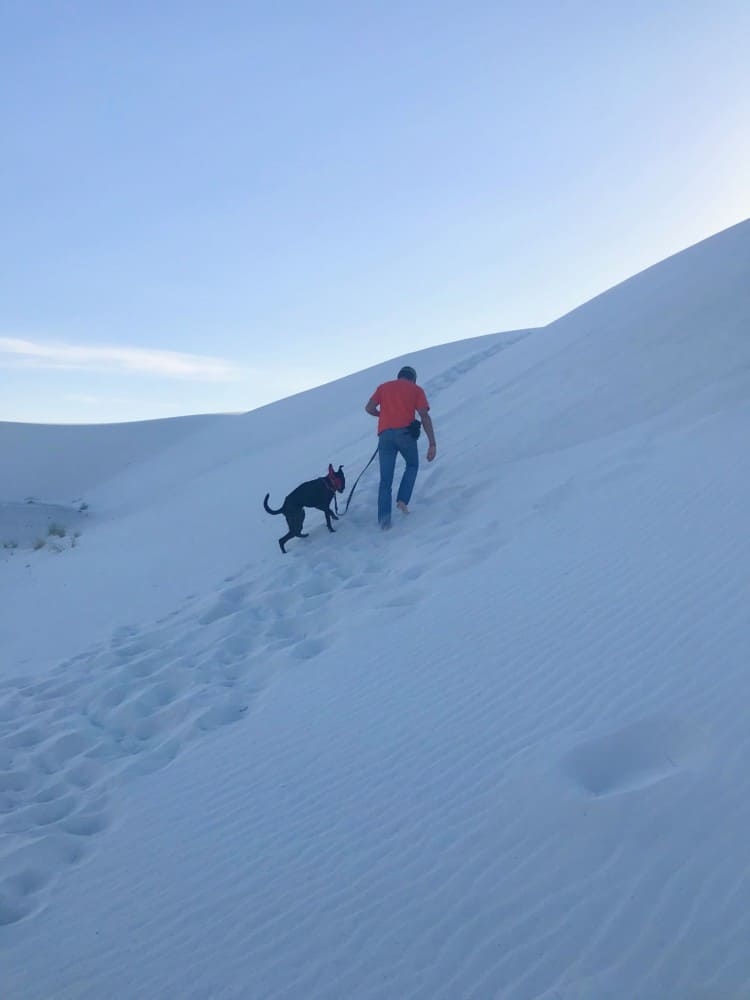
(309, 648)
(476, 553)
(128, 706)
(28, 869)
(635, 757)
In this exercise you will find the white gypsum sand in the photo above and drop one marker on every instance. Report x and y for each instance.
(499, 751)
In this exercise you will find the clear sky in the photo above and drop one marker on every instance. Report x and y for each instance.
(207, 206)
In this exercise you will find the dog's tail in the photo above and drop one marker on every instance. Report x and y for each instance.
(269, 509)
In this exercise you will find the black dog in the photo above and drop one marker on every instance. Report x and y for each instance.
(318, 493)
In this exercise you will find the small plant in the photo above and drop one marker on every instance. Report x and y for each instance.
(39, 543)
(58, 530)
(10, 545)
(84, 506)
(74, 539)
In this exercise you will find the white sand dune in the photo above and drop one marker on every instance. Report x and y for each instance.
(498, 752)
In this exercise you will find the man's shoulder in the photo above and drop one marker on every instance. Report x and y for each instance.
(402, 388)
(389, 386)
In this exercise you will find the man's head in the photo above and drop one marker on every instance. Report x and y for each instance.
(408, 372)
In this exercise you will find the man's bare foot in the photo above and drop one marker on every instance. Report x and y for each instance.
(402, 507)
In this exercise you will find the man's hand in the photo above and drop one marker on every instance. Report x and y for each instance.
(430, 432)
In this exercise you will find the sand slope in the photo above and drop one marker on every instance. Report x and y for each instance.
(499, 751)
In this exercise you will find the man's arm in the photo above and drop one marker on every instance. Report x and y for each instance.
(372, 408)
(429, 430)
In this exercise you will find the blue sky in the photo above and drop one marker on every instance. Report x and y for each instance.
(208, 206)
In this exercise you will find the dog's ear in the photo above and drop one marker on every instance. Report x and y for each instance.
(330, 470)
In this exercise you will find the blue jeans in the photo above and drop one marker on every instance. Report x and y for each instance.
(396, 441)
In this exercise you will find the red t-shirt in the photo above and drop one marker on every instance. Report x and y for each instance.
(398, 401)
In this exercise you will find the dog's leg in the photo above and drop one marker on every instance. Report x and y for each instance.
(295, 520)
(284, 539)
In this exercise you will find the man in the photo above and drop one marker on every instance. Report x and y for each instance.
(394, 404)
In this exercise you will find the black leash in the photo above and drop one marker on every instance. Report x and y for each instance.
(349, 498)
